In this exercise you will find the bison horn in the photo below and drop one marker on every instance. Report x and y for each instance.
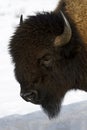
(21, 19)
(66, 36)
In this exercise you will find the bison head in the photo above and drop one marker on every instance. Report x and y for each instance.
(42, 60)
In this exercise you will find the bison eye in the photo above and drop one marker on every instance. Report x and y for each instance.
(46, 61)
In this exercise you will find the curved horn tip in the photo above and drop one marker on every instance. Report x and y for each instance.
(64, 38)
(21, 19)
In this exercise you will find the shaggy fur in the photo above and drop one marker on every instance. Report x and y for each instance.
(40, 66)
(76, 10)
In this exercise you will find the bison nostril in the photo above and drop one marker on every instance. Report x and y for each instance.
(32, 95)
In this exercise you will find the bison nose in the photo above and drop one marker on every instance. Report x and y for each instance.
(30, 96)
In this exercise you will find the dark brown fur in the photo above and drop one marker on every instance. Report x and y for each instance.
(40, 66)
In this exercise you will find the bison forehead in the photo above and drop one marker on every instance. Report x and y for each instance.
(45, 23)
(35, 32)
(40, 28)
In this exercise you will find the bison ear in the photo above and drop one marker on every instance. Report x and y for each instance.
(21, 19)
(65, 37)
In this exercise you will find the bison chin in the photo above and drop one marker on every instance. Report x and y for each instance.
(51, 108)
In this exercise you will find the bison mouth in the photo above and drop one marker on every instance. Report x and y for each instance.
(49, 104)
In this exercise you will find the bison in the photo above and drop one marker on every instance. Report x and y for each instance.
(49, 52)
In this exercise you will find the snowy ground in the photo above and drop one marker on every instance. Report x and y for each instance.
(72, 117)
(10, 100)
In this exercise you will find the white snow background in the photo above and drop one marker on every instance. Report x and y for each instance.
(12, 105)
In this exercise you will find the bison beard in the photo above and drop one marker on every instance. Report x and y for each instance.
(51, 107)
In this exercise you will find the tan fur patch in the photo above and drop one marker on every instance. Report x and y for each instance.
(77, 10)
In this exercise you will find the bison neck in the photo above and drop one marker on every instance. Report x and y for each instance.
(77, 12)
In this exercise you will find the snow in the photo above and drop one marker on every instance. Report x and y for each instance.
(13, 108)
(71, 117)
